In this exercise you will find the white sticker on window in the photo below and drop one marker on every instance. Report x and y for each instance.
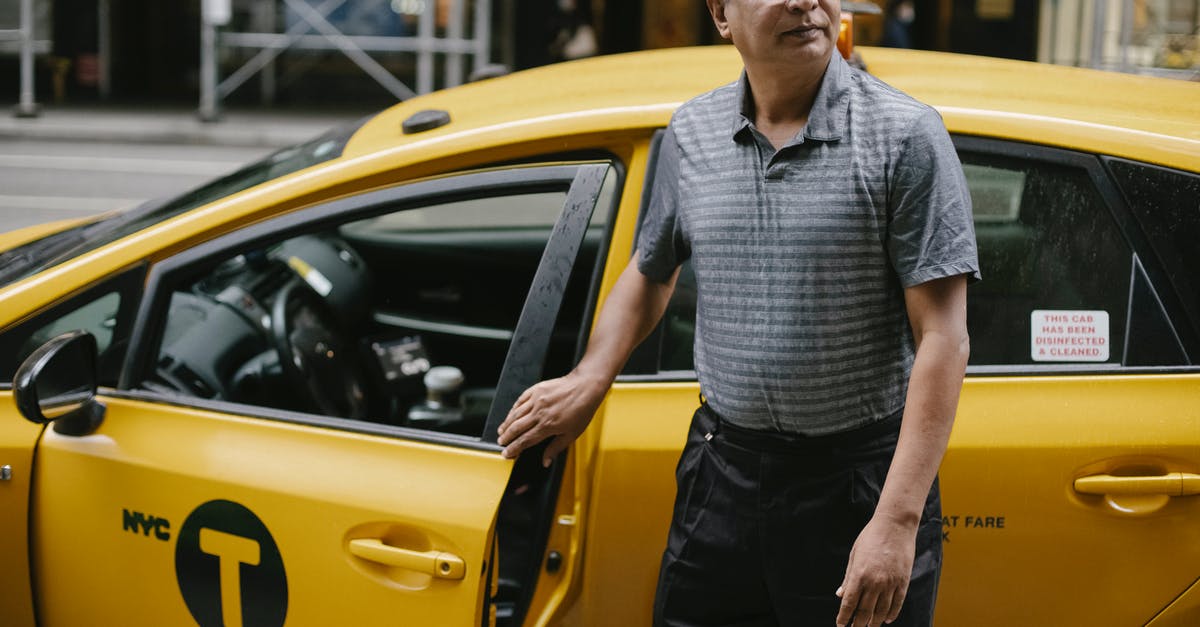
(1067, 335)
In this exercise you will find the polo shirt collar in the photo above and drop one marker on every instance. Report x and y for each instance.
(826, 121)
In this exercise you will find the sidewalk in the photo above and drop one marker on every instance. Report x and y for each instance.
(256, 128)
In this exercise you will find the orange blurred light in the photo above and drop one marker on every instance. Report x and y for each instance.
(845, 41)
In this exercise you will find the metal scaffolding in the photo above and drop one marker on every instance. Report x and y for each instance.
(26, 106)
(313, 29)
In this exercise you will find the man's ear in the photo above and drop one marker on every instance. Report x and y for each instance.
(717, 9)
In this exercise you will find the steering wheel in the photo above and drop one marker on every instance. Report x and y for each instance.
(313, 357)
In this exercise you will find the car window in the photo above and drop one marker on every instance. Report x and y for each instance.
(98, 317)
(1055, 265)
(679, 323)
(401, 318)
(1166, 203)
(534, 210)
(105, 310)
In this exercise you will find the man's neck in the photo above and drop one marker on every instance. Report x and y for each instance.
(783, 100)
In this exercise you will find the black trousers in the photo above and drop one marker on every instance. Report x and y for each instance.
(764, 524)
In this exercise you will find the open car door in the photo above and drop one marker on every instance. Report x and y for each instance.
(161, 509)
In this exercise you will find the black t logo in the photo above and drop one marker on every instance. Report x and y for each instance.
(229, 570)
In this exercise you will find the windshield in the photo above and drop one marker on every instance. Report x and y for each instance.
(33, 257)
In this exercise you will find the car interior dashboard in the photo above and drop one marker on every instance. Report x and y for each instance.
(408, 329)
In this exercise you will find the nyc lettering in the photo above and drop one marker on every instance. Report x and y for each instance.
(969, 522)
(1068, 335)
(133, 521)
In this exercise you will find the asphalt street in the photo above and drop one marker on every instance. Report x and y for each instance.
(44, 180)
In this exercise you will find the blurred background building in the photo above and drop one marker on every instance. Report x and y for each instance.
(335, 53)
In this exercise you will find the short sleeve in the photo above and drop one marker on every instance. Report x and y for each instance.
(931, 232)
(661, 245)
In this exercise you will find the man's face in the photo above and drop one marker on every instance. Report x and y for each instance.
(773, 32)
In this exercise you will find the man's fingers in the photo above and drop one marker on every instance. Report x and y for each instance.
(849, 594)
(882, 605)
(543, 411)
(897, 603)
(514, 415)
(864, 614)
(517, 423)
(524, 397)
(520, 418)
(518, 428)
(529, 438)
(519, 409)
(556, 446)
(515, 439)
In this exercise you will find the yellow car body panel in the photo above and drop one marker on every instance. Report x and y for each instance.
(1018, 446)
(17, 441)
(315, 491)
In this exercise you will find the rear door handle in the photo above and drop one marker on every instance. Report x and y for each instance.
(1170, 484)
(437, 563)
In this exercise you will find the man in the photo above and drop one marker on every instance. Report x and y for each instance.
(829, 225)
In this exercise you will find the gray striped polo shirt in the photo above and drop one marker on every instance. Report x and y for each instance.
(801, 255)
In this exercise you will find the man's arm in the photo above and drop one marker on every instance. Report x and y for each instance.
(561, 408)
(881, 561)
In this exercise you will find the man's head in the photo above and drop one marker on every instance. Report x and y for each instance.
(788, 34)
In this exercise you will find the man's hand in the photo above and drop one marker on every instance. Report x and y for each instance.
(877, 576)
(560, 408)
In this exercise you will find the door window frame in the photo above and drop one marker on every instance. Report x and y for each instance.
(150, 319)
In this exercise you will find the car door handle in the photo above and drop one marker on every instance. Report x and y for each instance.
(1170, 484)
(437, 563)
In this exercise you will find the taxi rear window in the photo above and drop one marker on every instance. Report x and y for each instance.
(1166, 203)
(47, 252)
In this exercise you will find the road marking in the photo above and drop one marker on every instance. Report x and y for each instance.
(127, 165)
(88, 204)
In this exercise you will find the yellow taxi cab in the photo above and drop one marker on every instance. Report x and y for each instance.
(273, 400)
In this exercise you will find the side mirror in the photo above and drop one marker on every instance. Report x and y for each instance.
(57, 384)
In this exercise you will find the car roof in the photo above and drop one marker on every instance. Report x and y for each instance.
(1151, 119)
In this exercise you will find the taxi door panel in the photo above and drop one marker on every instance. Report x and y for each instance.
(175, 516)
(184, 513)
(1023, 545)
(17, 440)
